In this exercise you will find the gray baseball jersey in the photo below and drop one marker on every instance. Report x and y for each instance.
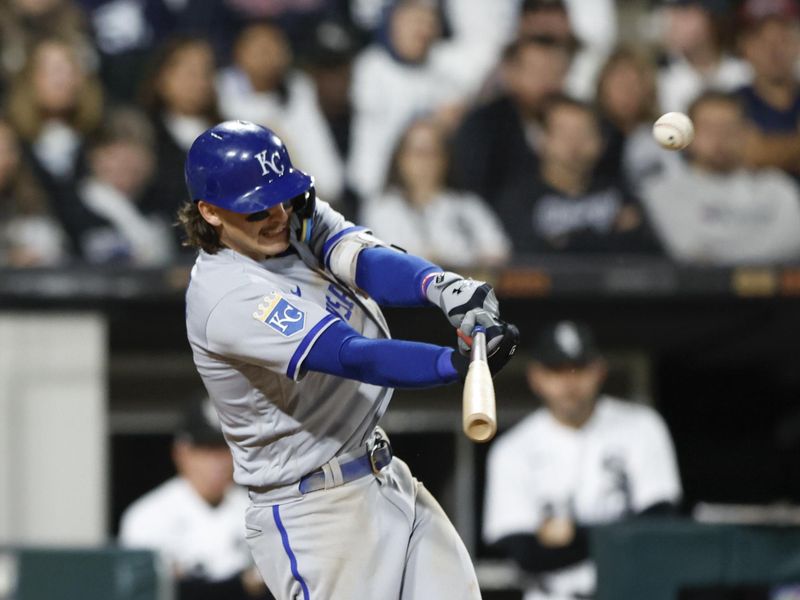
(250, 328)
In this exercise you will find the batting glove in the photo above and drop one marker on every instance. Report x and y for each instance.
(465, 303)
(505, 346)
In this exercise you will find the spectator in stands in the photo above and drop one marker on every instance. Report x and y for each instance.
(195, 520)
(566, 205)
(499, 140)
(291, 16)
(124, 33)
(29, 235)
(121, 165)
(422, 215)
(395, 80)
(582, 459)
(588, 28)
(261, 87)
(770, 41)
(24, 22)
(626, 99)
(328, 59)
(718, 212)
(180, 98)
(53, 105)
(697, 60)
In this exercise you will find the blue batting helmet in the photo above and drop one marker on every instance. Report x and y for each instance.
(242, 167)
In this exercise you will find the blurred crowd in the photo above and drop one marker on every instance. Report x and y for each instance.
(469, 132)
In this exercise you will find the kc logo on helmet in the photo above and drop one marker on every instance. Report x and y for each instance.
(272, 163)
(281, 315)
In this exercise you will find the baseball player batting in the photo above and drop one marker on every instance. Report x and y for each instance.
(283, 318)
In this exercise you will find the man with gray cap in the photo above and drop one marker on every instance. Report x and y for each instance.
(582, 459)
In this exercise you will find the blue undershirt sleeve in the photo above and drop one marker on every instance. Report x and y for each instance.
(393, 278)
(341, 351)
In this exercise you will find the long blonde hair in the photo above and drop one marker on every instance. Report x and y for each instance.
(23, 109)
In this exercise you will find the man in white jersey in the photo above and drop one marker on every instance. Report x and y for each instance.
(580, 460)
(195, 519)
(283, 318)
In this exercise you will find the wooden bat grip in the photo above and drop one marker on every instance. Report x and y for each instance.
(480, 416)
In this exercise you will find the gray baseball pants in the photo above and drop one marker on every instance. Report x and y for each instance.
(380, 537)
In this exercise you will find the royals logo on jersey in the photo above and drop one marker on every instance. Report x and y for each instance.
(281, 315)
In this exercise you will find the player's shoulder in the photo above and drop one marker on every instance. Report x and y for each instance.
(770, 180)
(626, 413)
(227, 267)
(374, 59)
(522, 435)
(159, 503)
(215, 276)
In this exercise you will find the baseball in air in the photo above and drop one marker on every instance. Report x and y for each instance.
(673, 131)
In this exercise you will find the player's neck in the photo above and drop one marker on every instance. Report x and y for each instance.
(574, 420)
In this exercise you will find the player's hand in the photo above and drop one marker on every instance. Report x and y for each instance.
(556, 532)
(252, 583)
(493, 327)
(504, 345)
(458, 297)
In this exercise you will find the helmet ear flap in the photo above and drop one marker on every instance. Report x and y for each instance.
(303, 205)
(303, 214)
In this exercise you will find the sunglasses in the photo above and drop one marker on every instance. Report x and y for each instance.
(299, 203)
(264, 214)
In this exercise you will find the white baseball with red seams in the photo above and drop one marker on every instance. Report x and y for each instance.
(673, 131)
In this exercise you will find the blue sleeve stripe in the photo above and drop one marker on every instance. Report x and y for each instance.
(331, 242)
(276, 514)
(305, 345)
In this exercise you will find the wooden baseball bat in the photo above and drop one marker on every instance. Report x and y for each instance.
(480, 415)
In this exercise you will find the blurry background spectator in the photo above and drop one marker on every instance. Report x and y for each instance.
(696, 39)
(716, 211)
(589, 28)
(327, 56)
(566, 205)
(420, 213)
(261, 86)
(195, 520)
(582, 459)
(24, 22)
(626, 99)
(124, 32)
(395, 80)
(29, 235)
(181, 100)
(498, 141)
(770, 41)
(53, 105)
(121, 165)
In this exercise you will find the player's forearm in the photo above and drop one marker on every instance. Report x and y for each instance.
(393, 278)
(391, 363)
(532, 556)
